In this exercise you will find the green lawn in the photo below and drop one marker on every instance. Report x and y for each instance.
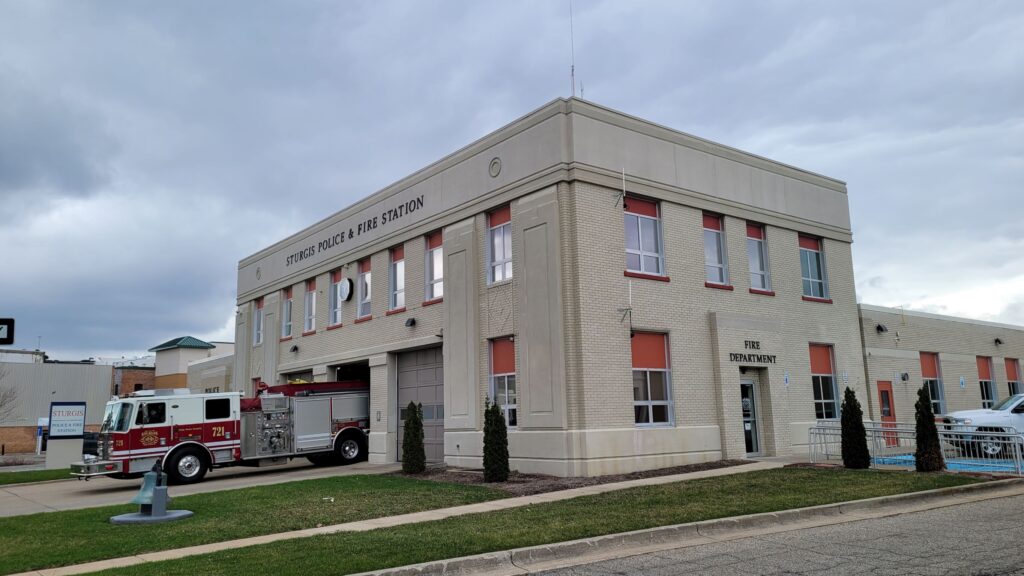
(77, 536)
(612, 512)
(34, 476)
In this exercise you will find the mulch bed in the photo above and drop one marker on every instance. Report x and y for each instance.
(527, 484)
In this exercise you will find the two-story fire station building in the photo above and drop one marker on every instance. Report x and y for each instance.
(632, 296)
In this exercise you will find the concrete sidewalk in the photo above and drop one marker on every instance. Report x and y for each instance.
(375, 523)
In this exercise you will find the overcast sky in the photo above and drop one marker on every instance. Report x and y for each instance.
(147, 147)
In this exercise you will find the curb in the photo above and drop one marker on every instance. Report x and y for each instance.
(549, 556)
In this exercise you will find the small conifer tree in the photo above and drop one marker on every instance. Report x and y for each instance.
(495, 444)
(854, 439)
(414, 457)
(928, 456)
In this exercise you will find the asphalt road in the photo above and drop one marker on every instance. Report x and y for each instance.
(982, 538)
(22, 499)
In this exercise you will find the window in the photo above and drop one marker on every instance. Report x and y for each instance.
(643, 237)
(933, 380)
(257, 322)
(138, 387)
(500, 244)
(217, 408)
(337, 297)
(988, 388)
(757, 256)
(716, 270)
(812, 268)
(435, 267)
(286, 313)
(1013, 376)
(364, 289)
(309, 324)
(152, 413)
(823, 382)
(652, 399)
(503, 377)
(397, 298)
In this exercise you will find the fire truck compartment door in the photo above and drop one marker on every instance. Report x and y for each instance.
(312, 424)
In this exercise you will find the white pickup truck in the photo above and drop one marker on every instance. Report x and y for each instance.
(984, 433)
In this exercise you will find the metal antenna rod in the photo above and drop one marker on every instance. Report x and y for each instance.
(572, 54)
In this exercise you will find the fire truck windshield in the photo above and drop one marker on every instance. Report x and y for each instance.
(117, 417)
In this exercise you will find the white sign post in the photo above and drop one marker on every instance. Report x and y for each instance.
(67, 429)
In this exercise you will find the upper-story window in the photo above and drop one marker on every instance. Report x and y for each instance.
(812, 268)
(435, 267)
(337, 296)
(757, 256)
(823, 381)
(396, 299)
(257, 322)
(286, 312)
(503, 377)
(1013, 376)
(499, 224)
(309, 323)
(933, 381)
(364, 291)
(985, 383)
(716, 270)
(652, 390)
(644, 252)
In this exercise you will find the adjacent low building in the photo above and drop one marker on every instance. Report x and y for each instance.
(173, 358)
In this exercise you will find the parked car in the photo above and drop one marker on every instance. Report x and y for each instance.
(985, 433)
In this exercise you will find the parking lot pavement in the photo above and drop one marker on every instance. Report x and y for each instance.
(22, 499)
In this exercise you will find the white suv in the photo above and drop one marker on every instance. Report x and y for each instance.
(1006, 417)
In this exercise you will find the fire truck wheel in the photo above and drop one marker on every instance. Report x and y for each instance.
(187, 466)
(350, 449)
(323, 459)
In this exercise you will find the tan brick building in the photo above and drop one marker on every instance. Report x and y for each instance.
(634, 297)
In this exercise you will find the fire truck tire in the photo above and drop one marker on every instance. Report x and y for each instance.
(323, 459)
(350, 449)
(187, 466)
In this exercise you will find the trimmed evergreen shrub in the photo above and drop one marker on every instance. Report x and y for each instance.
(414, 457)
(855, 440)
(495, 444)
(928, 456)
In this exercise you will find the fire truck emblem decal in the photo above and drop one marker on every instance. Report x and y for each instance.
(149, 438)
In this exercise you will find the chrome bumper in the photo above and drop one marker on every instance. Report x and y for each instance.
(95, 468)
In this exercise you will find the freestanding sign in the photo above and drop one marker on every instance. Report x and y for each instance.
(67, 420)
(6, 331)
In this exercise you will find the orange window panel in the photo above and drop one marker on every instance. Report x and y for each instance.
(259, 303)
(1011, 370)
(930, 365)
(336, 276)
(398, 253)
(311, 285)
(288, 293)
(650, 351)
(755, 231)
(503, 356)
(712, 222)
(810, 243)
(499, 216)
(984, 368)
(433, 240)
(640, 206)
(364, 265)
(821, 359)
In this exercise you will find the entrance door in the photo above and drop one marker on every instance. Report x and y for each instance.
(888, 411)
(421, 380)
(749, 407)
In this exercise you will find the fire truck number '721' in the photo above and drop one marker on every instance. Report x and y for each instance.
(189, 434)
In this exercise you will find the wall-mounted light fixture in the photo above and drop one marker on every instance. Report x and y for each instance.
(409, 323)
(881, 329)
(904, 377)
(998, 341)
(294, 348)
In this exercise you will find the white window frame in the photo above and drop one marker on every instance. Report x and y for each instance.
(496, 264)
(660, 254)
(508, 407)
(650, 404)
(286, 317)
(396, 299)
(761, 248)
(938, 404)
(309, 311)
(434, 281)
(822, 281)
(365, 293)
(718, 238)
(257, 324)
(335, 301)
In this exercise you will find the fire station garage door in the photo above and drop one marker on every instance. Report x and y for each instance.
(421, 380)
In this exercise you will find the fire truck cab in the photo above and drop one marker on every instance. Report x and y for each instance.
(189, 434)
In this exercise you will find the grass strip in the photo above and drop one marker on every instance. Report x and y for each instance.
(77, 536)
(26, 476)
(608, 513)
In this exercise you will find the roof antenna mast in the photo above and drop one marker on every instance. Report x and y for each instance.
(572, 54)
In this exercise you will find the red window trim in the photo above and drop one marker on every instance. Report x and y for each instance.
(286, 338)
(310, 333)
(334, 326)
(819, 300)
(364, 265)
(630, 274)
(287, 293)
(395, 311)
(755, 231)
(398, 253)
(712, 222)
(311, 285)
(810, 243)
(641, 207)
(762, 292)
(434, 240)
(499, 216)
(363, 319)
(259, 303)
(434, 301)
(719, 286)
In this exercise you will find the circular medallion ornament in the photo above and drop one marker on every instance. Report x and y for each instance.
(346, 289)
(495, 167)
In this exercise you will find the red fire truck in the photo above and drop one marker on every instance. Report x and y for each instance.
(190, 434)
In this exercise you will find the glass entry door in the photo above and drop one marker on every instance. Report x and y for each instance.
(749, 408)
